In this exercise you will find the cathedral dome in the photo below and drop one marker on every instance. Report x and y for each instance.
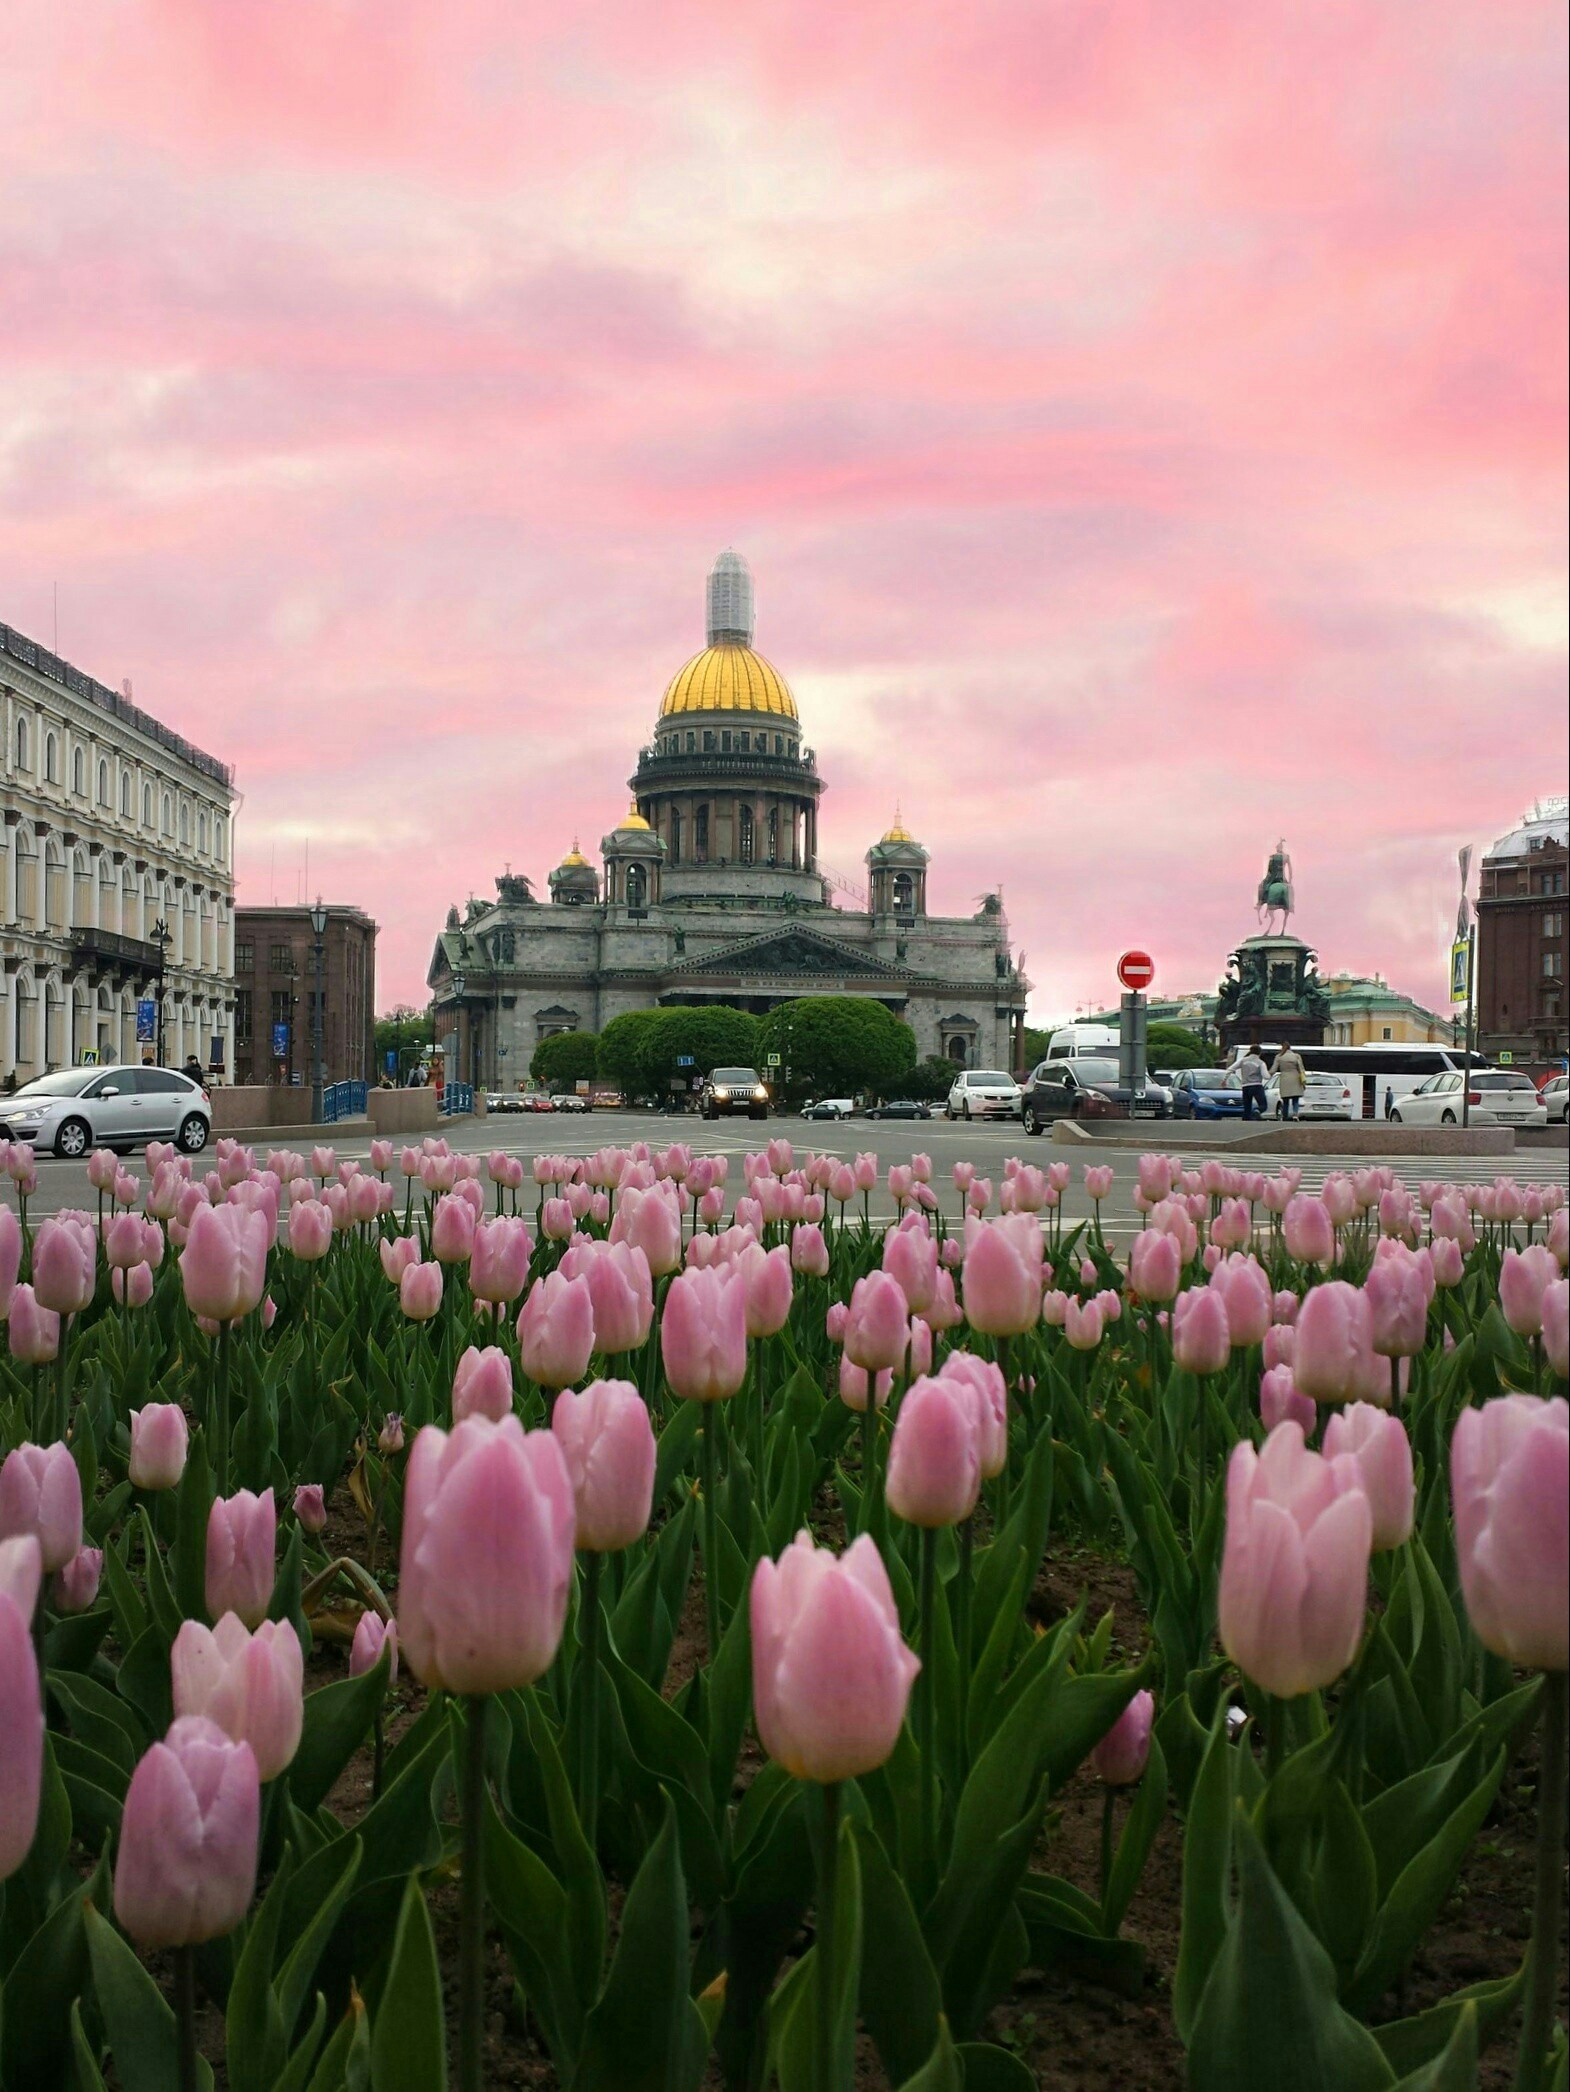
(728, 678)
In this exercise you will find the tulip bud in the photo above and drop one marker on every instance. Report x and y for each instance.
(1082, 1323)
(22, 1731)
(703, 1333)
(608, 1444)
(934, 1474)
(389, 1439)
(1524, 1278)
(1378, 1443)
(76, 1585)
(251, 1685)
(831, 1674)
(1509, 1486)
(770, 1288)
(310, 1507)
(65, 1266)
(186, 1870)
(1397, 1290)
(1279, 1399)
(483, 1384)
(41, 1494)
(223, 1266)
(420, 1291)
(1002, 1277)
(1201, 1336)
(1155, 1266)
(877, 1327)
(241, 1542)
(1333, 1353)
(1122, 1754)
(1309, 1231)
(310, 1230)
(371, 1636)
(1556, 1328)
(855, 1383)
(159, 1439)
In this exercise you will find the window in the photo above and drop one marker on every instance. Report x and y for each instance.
(242, 1017)
(125, 794)
(700, 835)
(779, 744)
(745, 741)
(675, 836)
(1553, 924)
(147, 806)
(725, 741)
(1553, 965)
(23, 758)
(222, 830)
(51, 760)
(744, 835)
(692, 742)
(774, 834)
(637, 886)
(79, 774)
(708, 740)
(1387, 1033)
(245, 957)
(280, 958)
(166, 823)
(103, 784)
(201, 837)
(282, 1001)
(185, 825)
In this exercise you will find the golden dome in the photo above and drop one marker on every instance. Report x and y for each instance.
(574, 858)
(634, 820)
(728, 678)
(899, 833)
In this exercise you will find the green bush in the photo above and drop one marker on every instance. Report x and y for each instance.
(565, 1059)
(835, 1045)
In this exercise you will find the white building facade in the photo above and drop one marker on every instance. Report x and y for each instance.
(116, 875)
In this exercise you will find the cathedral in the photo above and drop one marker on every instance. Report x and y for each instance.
(709, 891)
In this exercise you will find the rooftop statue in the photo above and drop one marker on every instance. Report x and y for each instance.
(1275, 892)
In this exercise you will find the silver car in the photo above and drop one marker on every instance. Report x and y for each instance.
(124, 1107)
(1554, 1094)
(983, 1093)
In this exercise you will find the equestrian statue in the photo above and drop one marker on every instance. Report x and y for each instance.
(1275, 892)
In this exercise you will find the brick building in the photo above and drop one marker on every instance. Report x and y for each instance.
(1522, 907)
(275, 986)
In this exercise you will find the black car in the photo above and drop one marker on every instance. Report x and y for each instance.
(1085, 1089)
(900, 1108)
(829, 1108)
(503, 1100)
(731, 1090)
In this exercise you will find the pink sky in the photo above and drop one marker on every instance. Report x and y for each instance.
(1146, 421)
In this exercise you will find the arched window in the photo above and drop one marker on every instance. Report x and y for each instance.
(23, 758)
(774, 835)
(79, 774)
(904, 893)
(185, 824)
(675, 836)
(103, 782)
(744, 834)
(222, 827)
(956, 1050)
(147, 806)
(700, 834)
(51, 760)
(126, 793)
(166, 824)
(201, 831)
(637, 886)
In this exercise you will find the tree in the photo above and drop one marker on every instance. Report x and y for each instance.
(835, 1045)
(1175, 1046)
(565, 1059)
(931, 1080)
(1036, 1043)
(405, 1032)
(621, 1046)
(640, 1050)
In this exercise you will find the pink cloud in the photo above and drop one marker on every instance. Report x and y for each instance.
(1147, 427)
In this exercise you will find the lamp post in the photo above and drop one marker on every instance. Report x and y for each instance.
(161, 938)
(460, 981)
(318, 955)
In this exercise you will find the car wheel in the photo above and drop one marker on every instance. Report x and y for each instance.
(1396, 1119)
(758, 1114)
(1447, 1118)
(1032, 1123)
(193, 1133)
(967, 1111)
(72, 1139)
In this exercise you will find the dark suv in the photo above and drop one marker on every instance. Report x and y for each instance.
(730, 1090)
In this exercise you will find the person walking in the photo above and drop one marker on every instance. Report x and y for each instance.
(1251, 1074)
(1291, 1080)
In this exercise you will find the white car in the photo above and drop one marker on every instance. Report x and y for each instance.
(1511, 1095)
(1554, 1095)
(1325, 1096)
(1438, 1102)
(122, 1107)
(983, 1093)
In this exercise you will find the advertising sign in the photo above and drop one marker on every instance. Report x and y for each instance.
(280, 1042)
(1460, 970)
(146, 1021)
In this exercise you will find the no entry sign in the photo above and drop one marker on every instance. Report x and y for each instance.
(1136, 970)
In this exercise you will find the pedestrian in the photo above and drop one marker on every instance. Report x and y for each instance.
(1251, 1074)
(193, 1069)
(1291, 1080)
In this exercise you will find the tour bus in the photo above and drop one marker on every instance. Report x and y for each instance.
(1379, 1075)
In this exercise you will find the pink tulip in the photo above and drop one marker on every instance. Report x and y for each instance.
(556, 1330)
(75, 1587)
(621, 1290)
(371, 1636)
(1446, 1260)
(499, 1259)
(1201, 1337)
(934, 1472)
(607, 1442)
(1002, 1274)
(1340, 1199)
(770, 1289)
(831, 1675)
(1558, 1240)
(652, 1223)
(389, 1439)
(877, 1326)
(1155, 1266)
(1556, 1328)
(65, 1266)
(133, 1288)
(310, 1507)
(159, 1440)
(41, 1494)
(1449, 1220)
(125, 1243)
(855, 1382)
(1233, 1226)
(1083, 1323)
(1378, 1443)
(1524, 1278)
(809, 1253)
(1279, 1399)
(1398, 1290)
(186, 1870)
(1099, 1177)
(223, 1266)
(381, 1156)
(365, 1200)
(703, 1333)
(103, 1166)
(1294, 1570)
(482, 1384)
(311, 1231)
(864, 1171)
(1510, 1485)
(910, 1257)
(397, 1255)
(22, 1731)
(10, 1257)
(251, 1685)
(1333, 1358)
(1122, 1754)
(1309, 1231)
(982, 1383)
(452, 1230)
(241, 1542)
(420, 1291)
(1280, 1345)
(1245, 1291)
(486, 1562)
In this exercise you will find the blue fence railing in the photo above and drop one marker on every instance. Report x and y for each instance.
(456, 1098)
(343, 1100)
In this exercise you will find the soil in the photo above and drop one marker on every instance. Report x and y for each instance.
(1074, 2035)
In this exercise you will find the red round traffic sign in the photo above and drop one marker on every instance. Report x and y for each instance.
(1136, 969)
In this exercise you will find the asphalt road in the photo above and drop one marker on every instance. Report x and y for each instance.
(988, 1145)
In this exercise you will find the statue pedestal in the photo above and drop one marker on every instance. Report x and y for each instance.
(1272, 995)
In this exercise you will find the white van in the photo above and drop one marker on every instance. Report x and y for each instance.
(1083, 1041)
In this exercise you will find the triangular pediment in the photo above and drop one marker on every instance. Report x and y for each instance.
(794, 953)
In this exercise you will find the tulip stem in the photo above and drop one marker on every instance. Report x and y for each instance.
(1538, 2020)
(221, 1413)
(826, 1957)
(869, 1422)
(962, 1594)
(471, 1916)
(711, 1528)
(61, 1369)
(185, 2014)
(589, 1656)
(1275, 1734)
(1108, 1805)
(926, 1707)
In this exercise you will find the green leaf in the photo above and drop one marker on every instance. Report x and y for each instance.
(48, 1974)
(143, 2038)
(676, 1445)
(1410, 2043)
(1345, 1893)
(294, 1978)
(338, 1718)
(143, 1680)
(160, 1595)
(409, 2039)
(254, 2032)
(943, 2071)
(193, 1507)
(85, 2073)
(645, 2034)
(531, 1907)
(1207, 1867)
(577, 1866)
(901, 2001)
(992, 2069)
(1145, 1819)
(1269, 2014)
(1455, 2068)
(795, 2047)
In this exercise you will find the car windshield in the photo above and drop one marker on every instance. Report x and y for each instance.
(1210, 1078)
(734, 1076)
(65, 1082)
(1096, 1071)
(993, 1076)
(1503, 1082)
(1317, 1079)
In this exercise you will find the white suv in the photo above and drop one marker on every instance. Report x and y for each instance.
(983, 1093)
(80, 1108)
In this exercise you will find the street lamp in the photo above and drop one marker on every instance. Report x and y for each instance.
(162, 938)
(460, 981)
(318, 955)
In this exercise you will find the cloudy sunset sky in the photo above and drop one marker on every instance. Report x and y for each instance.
(1145, 420)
